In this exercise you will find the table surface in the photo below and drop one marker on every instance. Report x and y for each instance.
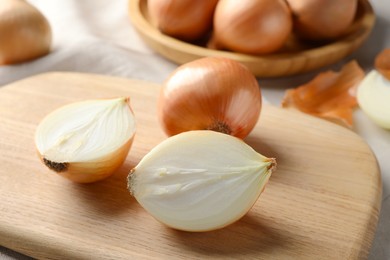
(96, 36)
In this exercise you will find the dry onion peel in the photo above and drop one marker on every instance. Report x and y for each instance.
(373, 96)
(25, 33)
(210, 93)
(200, 180)
(86, 141)
(382, 63)
(330, 95)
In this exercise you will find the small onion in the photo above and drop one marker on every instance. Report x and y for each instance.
(251, 26)
(25, 33)
(322, 19)
(183, 19)
(210, 93)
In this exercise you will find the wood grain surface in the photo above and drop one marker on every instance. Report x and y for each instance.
(296, 57)
(321, 203)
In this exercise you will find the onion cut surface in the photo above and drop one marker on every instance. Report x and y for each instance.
(374, 98)
(200, 180)
(90, 137)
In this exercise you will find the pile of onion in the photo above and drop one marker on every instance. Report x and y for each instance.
(252, 26)
(373, 93)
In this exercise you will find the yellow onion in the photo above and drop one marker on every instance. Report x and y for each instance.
(210, 93)
(322, 19)
(200, 180)
(183, 19)
(373, 96)
(86, 141)
(373, 93)
(251, 26)
(25, 33)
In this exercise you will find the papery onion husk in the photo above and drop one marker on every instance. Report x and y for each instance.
(200, 180)
(330, 95)
(25, 33)
(86, 141)
(211, 93)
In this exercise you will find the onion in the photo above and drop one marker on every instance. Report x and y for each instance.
(25, 33)
(183, 19)
(210, 93)
(373, 93)
(373, 96)
(252, 26)
(86, 141)
(200, 180)
(322, 19)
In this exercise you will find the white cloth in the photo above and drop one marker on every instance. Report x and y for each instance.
(96, 36)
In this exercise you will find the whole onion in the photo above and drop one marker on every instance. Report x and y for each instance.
(183, 19)
(210, 93)
(322, 19)
(252, 26)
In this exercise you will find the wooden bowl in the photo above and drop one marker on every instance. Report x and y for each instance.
(296, 57)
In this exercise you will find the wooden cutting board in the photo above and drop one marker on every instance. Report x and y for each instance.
(321, 203)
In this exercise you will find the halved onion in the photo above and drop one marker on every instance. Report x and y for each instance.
(200, 180)
(373, 96)
(86, 141)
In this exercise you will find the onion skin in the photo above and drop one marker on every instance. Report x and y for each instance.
(382, 63)
(24, 32)
(210, 94)
(93, 171)
(330, 95)
(252, 26)
(182, 19)
(322, 19)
